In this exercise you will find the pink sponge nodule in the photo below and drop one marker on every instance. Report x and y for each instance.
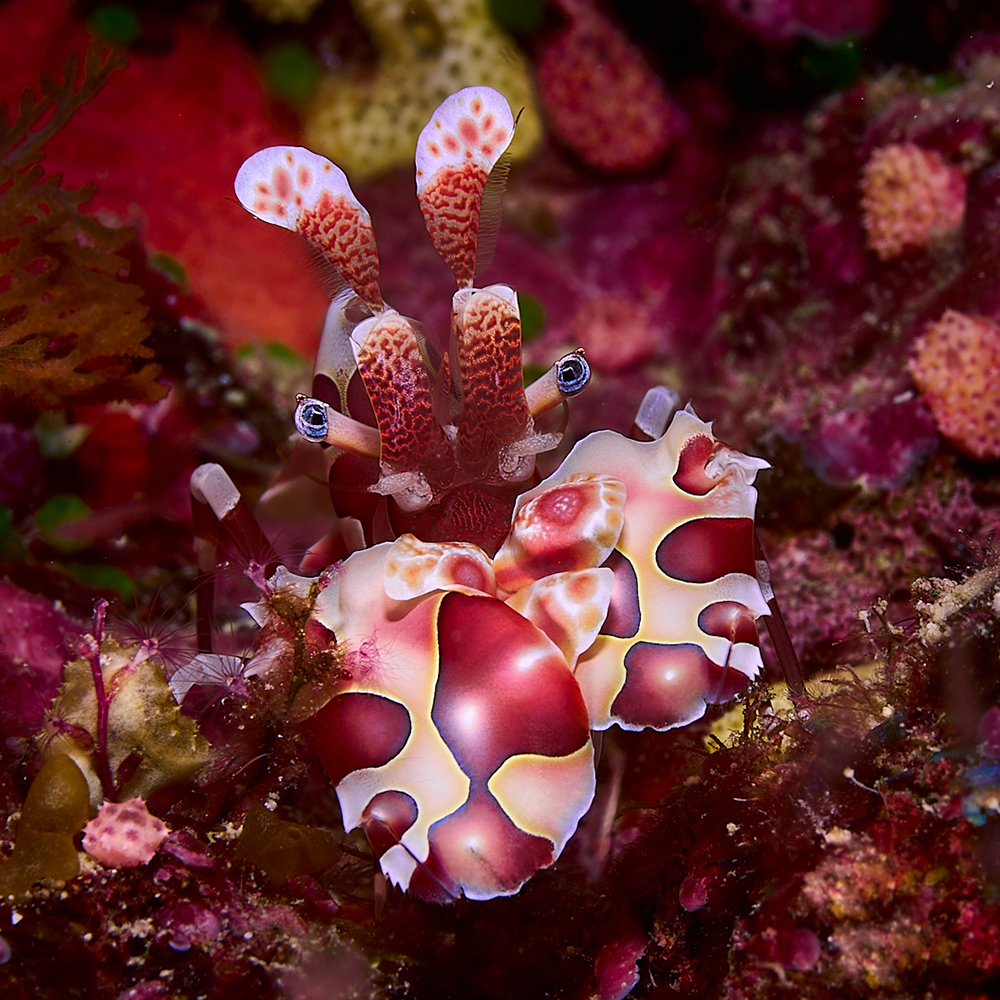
(911, 199)
(124, 834)
(956, 366)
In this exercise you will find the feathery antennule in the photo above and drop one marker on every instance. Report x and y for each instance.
(297, 189)
(490, 214)
(222, 673)
(170, 640)
(318, 264)
(456, 153)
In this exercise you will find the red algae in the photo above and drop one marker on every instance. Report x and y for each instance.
(174, 161)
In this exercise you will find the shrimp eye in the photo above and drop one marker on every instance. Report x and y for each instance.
(311, 420)
(572, 373)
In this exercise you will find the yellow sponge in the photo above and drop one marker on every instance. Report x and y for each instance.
(285, 10)
(427, 50)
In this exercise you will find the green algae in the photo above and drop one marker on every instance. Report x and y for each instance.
(55, 810)
(284, 849)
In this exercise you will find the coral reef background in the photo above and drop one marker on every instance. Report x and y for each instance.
(788, 212)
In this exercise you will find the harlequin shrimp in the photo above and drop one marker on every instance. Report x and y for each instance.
(486, 623)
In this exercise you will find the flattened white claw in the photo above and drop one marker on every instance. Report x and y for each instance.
(293, 187)
(573, 525)
(456, 151)
(473, 125)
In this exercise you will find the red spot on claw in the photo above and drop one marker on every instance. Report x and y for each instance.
(561, 506)
(468, 131)
(451, 144)
(472, 574)
(282, 183)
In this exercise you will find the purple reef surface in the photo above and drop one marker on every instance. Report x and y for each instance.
(796, 227)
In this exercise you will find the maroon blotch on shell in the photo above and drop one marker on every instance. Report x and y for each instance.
(690, 475)
(705, 549)
(505, 857)
(669, 684)
(386, 818)
(624, 613)
(358, 730)
(729, 619)
(495, 699)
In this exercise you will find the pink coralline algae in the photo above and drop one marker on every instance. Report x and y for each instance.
(876, 448)
(778, 20)
(33, 652)
(616, 967)
(187, 924)
(602, 99)
(911, 199)
(124, 834)
(203, 79)
(616, 332)
(798, 950)
(957, 368)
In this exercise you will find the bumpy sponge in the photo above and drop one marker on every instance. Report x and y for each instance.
(124, 835)
(426, 52)
(910, 199)
(957, 368)
(602, 100)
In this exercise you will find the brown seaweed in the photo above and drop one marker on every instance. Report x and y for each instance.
(72, 329)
